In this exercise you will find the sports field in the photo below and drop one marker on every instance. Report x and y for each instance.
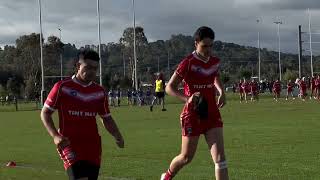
(263, 140)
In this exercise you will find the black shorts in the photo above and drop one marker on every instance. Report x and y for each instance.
(159, 94)
(81, 169)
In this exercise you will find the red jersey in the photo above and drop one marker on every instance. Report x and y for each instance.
(245, 87)
(313, 81)
(253, 87)
(303, 87)
(317, 83)
(277, 86)
(78, 105)
(199, 76)
(290, 86)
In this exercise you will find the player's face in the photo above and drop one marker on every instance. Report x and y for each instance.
(87, 70)
(204, 47)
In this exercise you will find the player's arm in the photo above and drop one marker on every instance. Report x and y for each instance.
(111, 126)
(222, 97)
(46, 117)
(172, 88)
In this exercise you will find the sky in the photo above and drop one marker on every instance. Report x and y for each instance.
(233, 21)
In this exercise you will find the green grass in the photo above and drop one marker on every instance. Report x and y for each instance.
(263, 140)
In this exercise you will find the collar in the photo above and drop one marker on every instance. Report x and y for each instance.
(195, 54)
(74, 79)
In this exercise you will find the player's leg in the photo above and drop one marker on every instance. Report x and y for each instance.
(214, 138)
(152, 103)
(162, 102)
(292, 95)
(188, 149)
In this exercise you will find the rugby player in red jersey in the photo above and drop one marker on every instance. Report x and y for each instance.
(78, 101)
(246, 89)
(302, 87)
(317, 86)
(199, 72)
(276, 89)
(313, 87)
(254, 90)
(241, 92)
(290, 87)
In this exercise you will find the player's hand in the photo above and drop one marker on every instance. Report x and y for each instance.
(194, 98)
(61, 142)
(221, 100)
(120, 142)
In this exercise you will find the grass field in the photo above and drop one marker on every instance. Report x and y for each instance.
(263, 141)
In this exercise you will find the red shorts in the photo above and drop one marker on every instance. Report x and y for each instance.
(191, 125)
(289, 90)
(81, 150)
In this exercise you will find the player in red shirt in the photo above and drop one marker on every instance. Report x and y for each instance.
(199, 72)
(290, 87)
(302, 87)
(313, 87)
(241, 92)
(276, 89)
(246, 89)
(78, 101)
(254, 90)
(317, 86)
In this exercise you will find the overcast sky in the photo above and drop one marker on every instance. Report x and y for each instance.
(232, 20)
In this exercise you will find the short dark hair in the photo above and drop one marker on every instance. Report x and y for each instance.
(203, 32)
(88, 54)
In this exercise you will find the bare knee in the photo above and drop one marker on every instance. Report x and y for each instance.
(219, 157)
(220, 162)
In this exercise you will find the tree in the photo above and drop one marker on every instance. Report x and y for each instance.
(13, 86)
(127, 41)
(224, 78)
(245, 74)
(32, 89)
(290, 75)
(3, 91)
(28, 56)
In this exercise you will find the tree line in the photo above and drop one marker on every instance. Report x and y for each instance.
(20, 70)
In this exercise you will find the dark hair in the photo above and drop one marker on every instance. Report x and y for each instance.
(88, 54)
(203, 32)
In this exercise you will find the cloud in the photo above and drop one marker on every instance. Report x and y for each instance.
(232, 20)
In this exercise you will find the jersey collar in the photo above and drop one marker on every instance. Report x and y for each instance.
(74, 79)
(194, 53)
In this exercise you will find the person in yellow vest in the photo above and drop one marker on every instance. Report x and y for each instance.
(159, 91)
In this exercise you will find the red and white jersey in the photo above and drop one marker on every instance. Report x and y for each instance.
(78, 105)
(317, 82)
(302, 86)
(313, 81)
(199, 76)
(245, 87)
(290, 86)
(277, 86)
(254, 87)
